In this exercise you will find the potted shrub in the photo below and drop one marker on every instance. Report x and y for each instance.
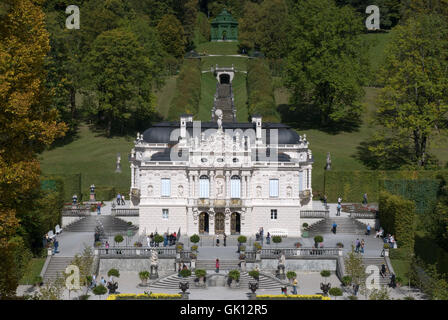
(200, 274)
(185, 273)
(317, 240)
(242, 248)
(234, 275)
(195, 239)
(99, 290)
(158, 239)
(305, 230)
(346, 281)
(297, 244)
(335, 292)
(113, 286)
(386, 248)
(276, 240)
(118, 239)
(291, 275)
(340, 245)
(98, 244)
(255, 274)
(193, 256)
(144, 276)
(325, 286)
(257, 246)
(241, 240)
(194, 248)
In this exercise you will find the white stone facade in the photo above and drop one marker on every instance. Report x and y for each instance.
(239, 192)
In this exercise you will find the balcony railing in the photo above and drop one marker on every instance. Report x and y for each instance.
(363, 215)
(314, 213)
(139, 252)
(295, 252)
(128, 212)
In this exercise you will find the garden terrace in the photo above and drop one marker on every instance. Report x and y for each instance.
(139, 252)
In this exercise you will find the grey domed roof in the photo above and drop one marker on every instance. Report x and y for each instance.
(164, 132)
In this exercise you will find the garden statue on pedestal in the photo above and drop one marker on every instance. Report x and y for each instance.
(118, 169)
(281, 267)
(154, 265)
(92, 192)
(253, 286)
(328, 165)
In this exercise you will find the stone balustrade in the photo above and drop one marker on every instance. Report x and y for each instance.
(139, 252)
(314, 213)
(127, 212)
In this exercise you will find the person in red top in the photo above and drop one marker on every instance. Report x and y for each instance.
(217, 265)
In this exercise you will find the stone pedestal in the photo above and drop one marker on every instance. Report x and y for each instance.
(92, 197)
(185, 295)
(193, 264)
(154, 273)
(243, 265)
(252, 296)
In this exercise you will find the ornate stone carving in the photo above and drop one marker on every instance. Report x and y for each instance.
(180, 191)
(259, 191)
(289, 191)
(150, 190)
(220, 187)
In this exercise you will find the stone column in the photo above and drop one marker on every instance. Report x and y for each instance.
(228, 185)
(132, 176)
(212, 185)
(190, 185)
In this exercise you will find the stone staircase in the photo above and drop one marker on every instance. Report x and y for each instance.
(345, 226)
(171, 282)
(378, 262)
(56, 266)
(224, 101)
(110, 224)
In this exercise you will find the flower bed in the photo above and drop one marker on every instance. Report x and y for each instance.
(144, 296)
(292, 297)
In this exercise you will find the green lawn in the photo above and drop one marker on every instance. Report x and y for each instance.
(164, 96)
(208, 89)
(217, 48)
(32, 271)
(240, 94)
(94, 156)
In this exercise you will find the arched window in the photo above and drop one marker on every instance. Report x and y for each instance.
(235, 187)
(204, 187)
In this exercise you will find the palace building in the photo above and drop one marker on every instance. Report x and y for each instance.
(214, 177)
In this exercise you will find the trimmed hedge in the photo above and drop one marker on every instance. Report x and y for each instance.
(188, 90)
(260, 91)
(351, 185)
(106, 193)
(397, 216)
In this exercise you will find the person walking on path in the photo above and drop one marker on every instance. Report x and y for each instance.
(339, 207)
(122, 197)
(107, 247)
(56, 246)
(357, 245)
(224, 240)
(362, 245)
(383, 270)
(364, 200)
(268, 238)
(333, 229)
(261, 234)
(98, 208)
(118, 199)
(368, 229)
(217, 240)
(217, 265)
(294, 286)
(339, 200)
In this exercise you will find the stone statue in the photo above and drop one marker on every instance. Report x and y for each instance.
(259, 191)
(92, 188)
(118, 169)
(219, 121)
(180, 191)
(219, 188)
(282, 259)
(289, 192)
(150, 190)
(328, 166)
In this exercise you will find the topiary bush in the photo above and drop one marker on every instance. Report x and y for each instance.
(335, 292)
(144, 275)
(99, 290)
(291, 275)
(325, 273)
(234, 274)
(200, 273)
(276, 239)
(242, 239)
(113, 273)
(318, 239)
(346, 280)
(185, 273)
(118, 238)
(158, 238)
(195, 238)
(254, 274)
(257, 246)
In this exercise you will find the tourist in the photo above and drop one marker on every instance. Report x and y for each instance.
(151, 237)
(261, 234)
(294, 286)
(98, 208)
(165, 239)
(364, 201)
(357, 245)
(379, 233)
(75, 199)
(122, 200)
(148, 241)
(333, 228)
(217, 240)
(217, 265)
(284, 291)
(325, 200)
(368, 229)
(118, 199)
(392, 283)
(338, 208)
(362, 245)
(103, 281)
(224, 240)
(383, 270)
(56, 245)
(268, 238)
(93, 282)
(339, 200)
(107, 247)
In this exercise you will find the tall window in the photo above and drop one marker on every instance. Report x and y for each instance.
(273, 214)
(165, 214)
(300, 181)
(204, 187)
(166, 187)
(235, 187)
(273, 187)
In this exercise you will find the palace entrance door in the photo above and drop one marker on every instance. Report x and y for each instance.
(203, 222)
(235, 223)
(219, 223)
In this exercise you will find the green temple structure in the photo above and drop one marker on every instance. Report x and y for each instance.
(224, 27)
